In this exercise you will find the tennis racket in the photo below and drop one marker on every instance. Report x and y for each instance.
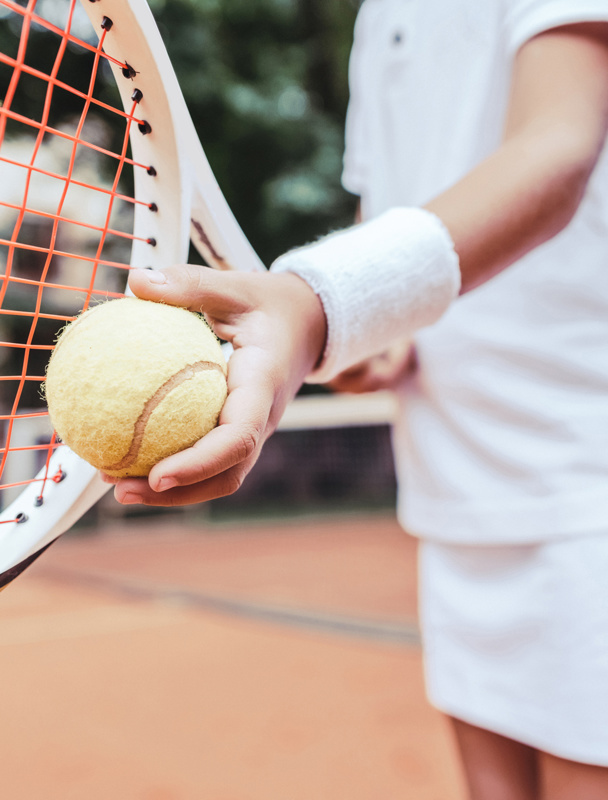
(120, 180)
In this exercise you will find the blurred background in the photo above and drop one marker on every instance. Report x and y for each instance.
(262, 646)
(267, 86)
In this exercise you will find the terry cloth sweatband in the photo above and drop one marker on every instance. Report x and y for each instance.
(379, 283)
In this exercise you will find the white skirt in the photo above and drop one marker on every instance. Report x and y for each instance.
(516, 641)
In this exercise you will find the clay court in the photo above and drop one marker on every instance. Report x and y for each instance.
(168, 659)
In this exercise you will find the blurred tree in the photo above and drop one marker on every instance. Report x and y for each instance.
(266, 83)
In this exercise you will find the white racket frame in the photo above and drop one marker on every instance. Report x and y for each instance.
(190, 206)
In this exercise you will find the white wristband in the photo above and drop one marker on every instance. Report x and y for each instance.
(379, 283)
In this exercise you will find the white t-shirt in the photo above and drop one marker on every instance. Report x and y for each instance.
(504, 435)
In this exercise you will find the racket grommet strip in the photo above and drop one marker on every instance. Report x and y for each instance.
(137, 96)
(128, 71)
(107, 24)
(152, 172)
(21, 518)
(152, 241)
(144, 127)
(59, 476)
(39, 501)
(153, 207)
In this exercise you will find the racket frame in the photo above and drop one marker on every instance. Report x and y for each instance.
(182, 202)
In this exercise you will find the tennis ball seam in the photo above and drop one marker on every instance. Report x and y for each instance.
(139, 428)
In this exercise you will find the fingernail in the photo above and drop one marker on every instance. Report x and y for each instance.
(131, 499)
(164, 484)
(153, 276)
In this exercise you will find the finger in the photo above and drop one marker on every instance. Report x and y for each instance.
(131, 491)
(216, 465)
(197, 288)
(243, 427)
(224, 447)
(108, 478)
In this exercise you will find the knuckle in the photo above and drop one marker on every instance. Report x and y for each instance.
(195, 276)
(247, 444)
(187, 280)
(233, 482)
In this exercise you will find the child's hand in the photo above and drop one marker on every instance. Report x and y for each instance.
(384, 371)
(277, 327)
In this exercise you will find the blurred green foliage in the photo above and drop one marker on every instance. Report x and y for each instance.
(266, 83)
(267, 86)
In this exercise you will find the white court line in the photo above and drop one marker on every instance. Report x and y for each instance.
(83, 622)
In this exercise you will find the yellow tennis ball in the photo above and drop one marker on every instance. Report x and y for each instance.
(131, 382)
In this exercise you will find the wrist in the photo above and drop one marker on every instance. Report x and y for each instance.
(305, 313)
(378, 282)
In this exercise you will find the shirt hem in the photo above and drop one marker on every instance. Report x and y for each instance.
(584, 755)
(353, 183)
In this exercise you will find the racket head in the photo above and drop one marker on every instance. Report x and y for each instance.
(120, 183)
(189, 204)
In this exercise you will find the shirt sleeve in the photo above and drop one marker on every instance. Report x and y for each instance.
(353, 174)
(356, 138)
(527, 18)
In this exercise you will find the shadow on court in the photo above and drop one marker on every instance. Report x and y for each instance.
(171, 661)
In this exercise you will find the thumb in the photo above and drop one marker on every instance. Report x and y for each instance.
(201, 289)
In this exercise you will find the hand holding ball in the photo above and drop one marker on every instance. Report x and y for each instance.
(131, 382)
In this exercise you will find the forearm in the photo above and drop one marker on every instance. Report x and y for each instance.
(555, 129)
(382, 281)
(520, 197)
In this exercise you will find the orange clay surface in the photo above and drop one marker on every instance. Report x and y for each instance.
(174, 660)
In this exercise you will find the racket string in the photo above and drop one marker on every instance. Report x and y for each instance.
(37, 277)
(21, 214)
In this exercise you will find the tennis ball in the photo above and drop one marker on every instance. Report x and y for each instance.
(131, 382)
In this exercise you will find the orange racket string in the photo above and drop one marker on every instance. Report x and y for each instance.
(104, 234)
(59, 475)
(64, 253)
(10, 94)
(7, 312)
(43, 128)
(93, 187)
(45, 115)
(35, 73)
(18, 378)
(64, 135)
(57, 478)
(88, 225)
(45, 23)
(30, 415)
(5, 110)
(66, 287)
(31, 449)
(9, 97)
(27, 347)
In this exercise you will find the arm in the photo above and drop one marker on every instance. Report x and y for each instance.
(529, 190)
(387, 370)
(515, 200)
